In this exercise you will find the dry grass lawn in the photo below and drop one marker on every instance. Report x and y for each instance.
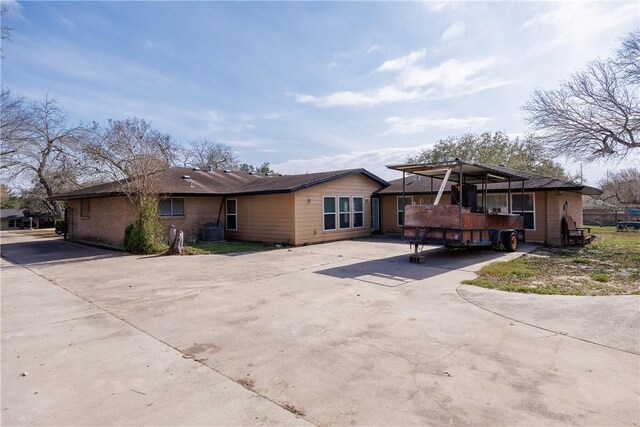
(609, 266)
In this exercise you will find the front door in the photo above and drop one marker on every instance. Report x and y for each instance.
(375, 214)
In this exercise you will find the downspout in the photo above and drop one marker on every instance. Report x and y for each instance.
(224, 198)
(403, 198)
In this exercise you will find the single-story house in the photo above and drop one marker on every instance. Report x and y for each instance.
(14, 219)
(288, 209)
(544, 201)
(11, 219)
(307, 208)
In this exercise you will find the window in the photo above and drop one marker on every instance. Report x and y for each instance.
(498, 203)
(495, 203)
(345, 209)
(329, 213)
(14, 223)
(407, 201)
(85, 208)
(232, 214)
(172, 206)
(358, 212)
(529, 209)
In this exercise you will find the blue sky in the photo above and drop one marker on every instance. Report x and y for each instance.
(308, 86)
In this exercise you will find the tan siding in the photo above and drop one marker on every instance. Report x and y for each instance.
(198, 211)
(108, 217)
(309, 218)
(264, 218)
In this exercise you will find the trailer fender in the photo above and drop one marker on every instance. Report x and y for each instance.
(497, 239)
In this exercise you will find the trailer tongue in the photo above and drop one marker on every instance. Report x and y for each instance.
(466, 221)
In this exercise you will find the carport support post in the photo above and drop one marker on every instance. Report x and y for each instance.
(522, 204)
(432, 189)
(509, 197)
(404, 187)
(460, 200)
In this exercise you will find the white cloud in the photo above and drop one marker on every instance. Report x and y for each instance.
(66, 21)
(449, 73)
(402, 126)
(373, 48)
(455, 30)
(382, 95)
(449, 79)
(14, 9)
(581, 24)
(404, 61)
(372, 160)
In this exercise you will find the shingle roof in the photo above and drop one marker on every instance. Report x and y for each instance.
(9, 213)
(535, 182)
(224, 183)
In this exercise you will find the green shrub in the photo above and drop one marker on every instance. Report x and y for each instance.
(145, 235)
(600, 277)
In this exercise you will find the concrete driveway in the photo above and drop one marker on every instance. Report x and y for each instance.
(347, 333)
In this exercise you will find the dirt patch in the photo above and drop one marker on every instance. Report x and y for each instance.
(247, 383)
(289, 407)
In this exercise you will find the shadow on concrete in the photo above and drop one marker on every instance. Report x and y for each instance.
(44, 251)
(397, 270)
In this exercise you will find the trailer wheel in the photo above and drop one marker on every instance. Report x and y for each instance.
(510, 242)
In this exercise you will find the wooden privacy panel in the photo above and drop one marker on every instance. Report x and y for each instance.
(447, 216)
(440, 216)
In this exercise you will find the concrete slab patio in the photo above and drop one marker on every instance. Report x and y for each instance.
(335, 334)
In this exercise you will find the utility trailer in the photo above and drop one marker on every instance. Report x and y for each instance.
(467, 221)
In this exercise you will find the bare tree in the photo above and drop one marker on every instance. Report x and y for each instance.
(5, 31)
(38, 148)
(131, 153)
(204, 153)
(13, 126)
(595, 114)
(622, 188)
(136, 157)
(628, 57)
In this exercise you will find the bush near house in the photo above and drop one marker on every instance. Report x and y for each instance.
(609, 266)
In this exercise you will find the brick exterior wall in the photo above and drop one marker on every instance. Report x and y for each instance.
(108, 217)
(198, 211)
(555, 212)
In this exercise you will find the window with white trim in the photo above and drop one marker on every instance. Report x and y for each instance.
(329, 213)
(232, 214)
(344, 205)
(172, 206)
(528, 210)
(358, 212)
(408, 200)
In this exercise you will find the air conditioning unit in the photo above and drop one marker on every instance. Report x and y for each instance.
(213, 233)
